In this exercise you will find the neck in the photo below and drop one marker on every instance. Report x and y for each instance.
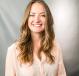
(35, 38)
(36, 41)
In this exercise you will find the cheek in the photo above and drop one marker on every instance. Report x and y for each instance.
(44, 22)
(29, 21)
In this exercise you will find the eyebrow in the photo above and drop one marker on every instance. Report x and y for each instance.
(37, 13)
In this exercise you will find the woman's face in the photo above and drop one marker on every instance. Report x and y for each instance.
(37, 18)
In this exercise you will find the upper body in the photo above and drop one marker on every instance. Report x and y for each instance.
(36, 52)
(38, 68)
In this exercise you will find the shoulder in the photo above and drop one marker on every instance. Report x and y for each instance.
(56, 50)
(12, 49)
(56, 47)
(10, 63)
(13, 46)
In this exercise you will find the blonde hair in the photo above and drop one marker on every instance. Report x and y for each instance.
(47, 36)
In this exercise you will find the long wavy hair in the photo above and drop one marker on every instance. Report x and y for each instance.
(25, 43)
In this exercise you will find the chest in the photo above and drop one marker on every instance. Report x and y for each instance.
(37, 69)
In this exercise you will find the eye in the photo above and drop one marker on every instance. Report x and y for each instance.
(43, 15)
(31, 15)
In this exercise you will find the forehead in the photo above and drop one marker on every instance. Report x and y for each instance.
(37, 8)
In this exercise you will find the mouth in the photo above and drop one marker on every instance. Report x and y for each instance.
(37, 25)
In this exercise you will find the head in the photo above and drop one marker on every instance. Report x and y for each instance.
(37, 13)
(38, 19)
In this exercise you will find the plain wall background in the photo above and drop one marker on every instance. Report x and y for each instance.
(66, 19)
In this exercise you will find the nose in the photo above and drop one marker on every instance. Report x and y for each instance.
(37, 19)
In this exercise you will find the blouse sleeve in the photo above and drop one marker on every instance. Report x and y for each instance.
(61, 67)
(9, 65)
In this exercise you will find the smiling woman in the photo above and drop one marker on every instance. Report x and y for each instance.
(37, 18)
(36, 52)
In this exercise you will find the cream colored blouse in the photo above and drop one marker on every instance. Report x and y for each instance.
(38, 68)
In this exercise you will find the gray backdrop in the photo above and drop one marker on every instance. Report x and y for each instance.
(66, 16)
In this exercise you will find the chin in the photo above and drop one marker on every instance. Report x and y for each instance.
(37, 31)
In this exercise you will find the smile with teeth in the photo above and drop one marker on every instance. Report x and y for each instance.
(37, 24)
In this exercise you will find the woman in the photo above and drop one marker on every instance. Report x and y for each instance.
(36, 52)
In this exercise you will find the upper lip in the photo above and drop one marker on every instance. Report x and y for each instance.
(36, 24)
